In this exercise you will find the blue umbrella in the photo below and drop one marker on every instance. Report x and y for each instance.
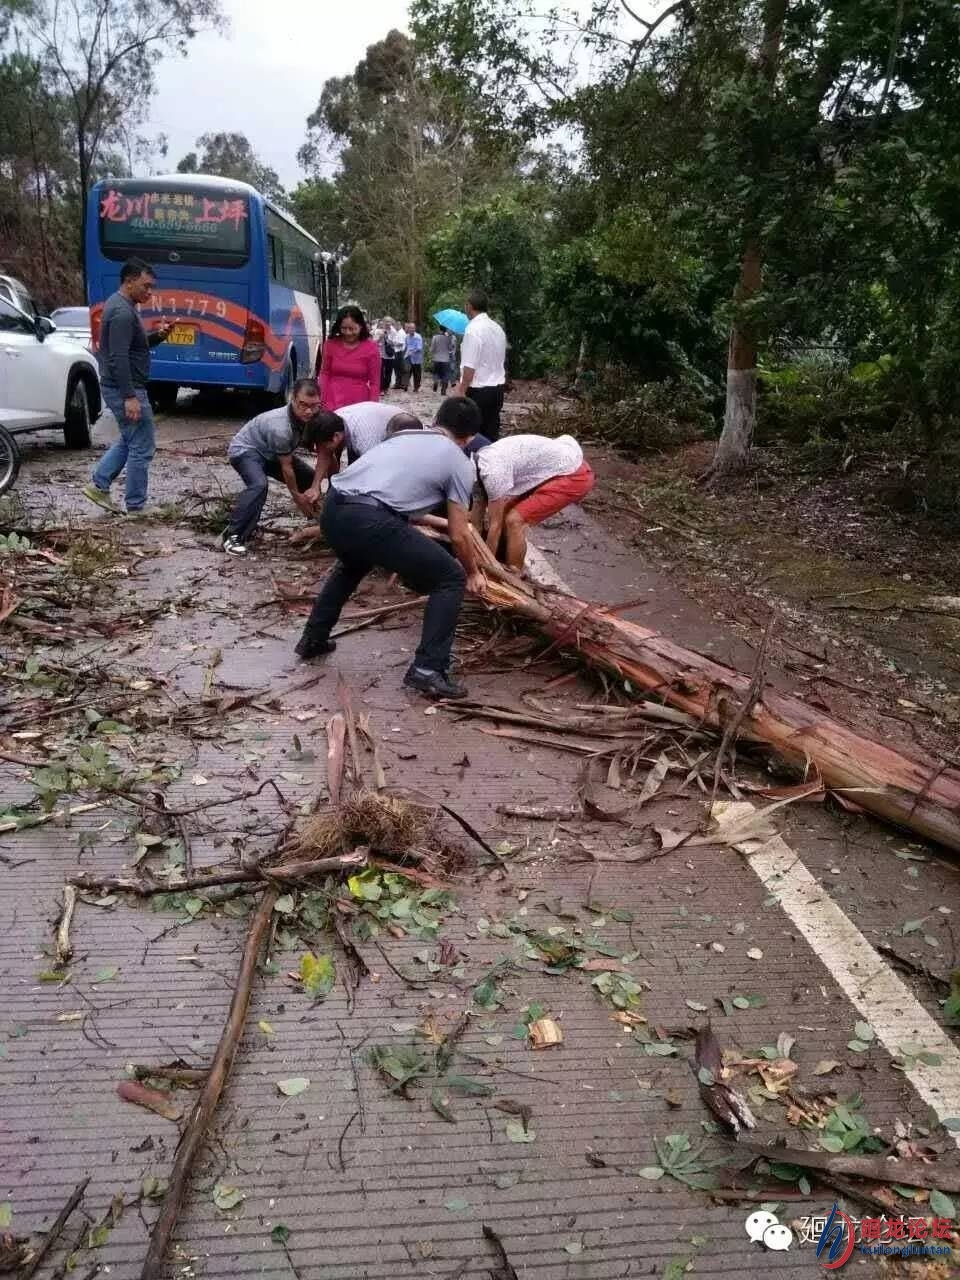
(455, 321)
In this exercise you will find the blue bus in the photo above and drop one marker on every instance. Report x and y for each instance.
(251, 291)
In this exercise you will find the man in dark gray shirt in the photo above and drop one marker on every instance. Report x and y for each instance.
(123, 352)
(267, 447)
(366, 520)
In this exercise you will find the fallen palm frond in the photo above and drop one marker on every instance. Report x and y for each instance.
(913, 791)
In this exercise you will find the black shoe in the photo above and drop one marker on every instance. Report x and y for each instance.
(435, 684)
(310, 647)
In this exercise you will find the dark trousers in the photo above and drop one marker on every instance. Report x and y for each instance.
(368, 538)
(400, 371)
(441, 375)
(414, 371)
(254, 470)
(386, 372)
(489, 400)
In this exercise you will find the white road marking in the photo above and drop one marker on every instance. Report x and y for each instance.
(875, 991)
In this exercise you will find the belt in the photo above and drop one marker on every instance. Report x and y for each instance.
(366, 500)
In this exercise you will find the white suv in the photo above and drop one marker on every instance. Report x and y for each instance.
(46, 379)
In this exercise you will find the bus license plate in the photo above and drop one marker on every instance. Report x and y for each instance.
(182, 335)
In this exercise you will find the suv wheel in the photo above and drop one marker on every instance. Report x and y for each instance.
(76, 425)
(9, 460)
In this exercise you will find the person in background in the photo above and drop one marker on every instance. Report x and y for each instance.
(266, 447)
(482, 363)
(413, 356)
(523, 480)
(123, 354)
(366, 520)
(350, 365)
(398, 344)
(386, 353)
(454, 370)
(440, 359)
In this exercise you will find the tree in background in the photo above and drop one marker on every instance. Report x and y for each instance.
(75, 80)
(799, 157)
(230, 155)
(407, 156)
(496, 247)
(100, 56)
(317, 205)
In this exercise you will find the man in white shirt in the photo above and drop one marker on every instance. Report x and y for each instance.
(366, 425)
(482, 356)
(524, 479)
(398, 343)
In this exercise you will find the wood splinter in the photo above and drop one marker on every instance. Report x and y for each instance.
(64, 949)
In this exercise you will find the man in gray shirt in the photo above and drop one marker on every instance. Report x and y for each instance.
(266, 449)
(366, 520)
(123, 352)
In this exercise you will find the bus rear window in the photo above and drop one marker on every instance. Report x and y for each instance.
(196, 224)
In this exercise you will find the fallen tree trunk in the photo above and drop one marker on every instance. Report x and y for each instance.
(915, 792)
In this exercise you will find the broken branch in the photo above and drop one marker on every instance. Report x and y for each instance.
(905, 1173)
(53, 1235)
(202, 1114)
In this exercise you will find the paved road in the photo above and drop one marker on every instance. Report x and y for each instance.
(371, 1183)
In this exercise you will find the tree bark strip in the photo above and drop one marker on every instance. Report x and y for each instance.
(202, 1113)
(915, 792)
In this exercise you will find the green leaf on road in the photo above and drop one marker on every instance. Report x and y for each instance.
(517, 1133)
(293, 1087)
(317, 974)
(225, 1197)
(942, 1205)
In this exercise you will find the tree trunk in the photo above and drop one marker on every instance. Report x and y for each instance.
(741, 409)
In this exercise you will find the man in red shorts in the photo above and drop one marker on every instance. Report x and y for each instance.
(523, 480)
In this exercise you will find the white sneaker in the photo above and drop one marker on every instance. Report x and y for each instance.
(233, 546)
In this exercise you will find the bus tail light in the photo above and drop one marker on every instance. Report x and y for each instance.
(254, 342)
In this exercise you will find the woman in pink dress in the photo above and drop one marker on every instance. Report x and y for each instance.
(350, 368)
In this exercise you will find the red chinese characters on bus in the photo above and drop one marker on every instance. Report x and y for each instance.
(224, 211)
(116, 207)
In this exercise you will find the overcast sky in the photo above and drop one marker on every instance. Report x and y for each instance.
(264, 78)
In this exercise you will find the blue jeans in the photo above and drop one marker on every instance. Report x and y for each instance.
(133, 450)
(254, 471)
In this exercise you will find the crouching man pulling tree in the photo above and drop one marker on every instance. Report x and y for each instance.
(266, 448)
(366, 520)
